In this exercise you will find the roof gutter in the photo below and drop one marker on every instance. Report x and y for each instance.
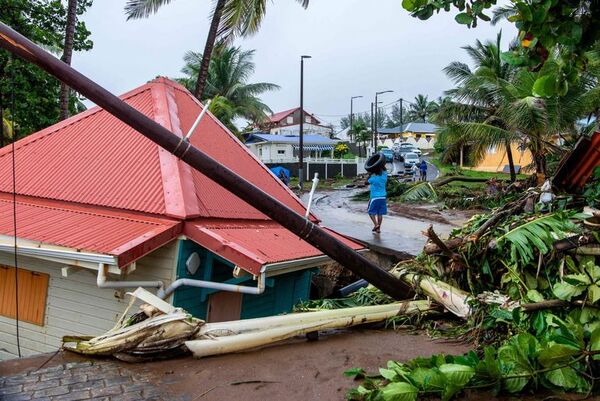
(187, 282)
(59, 254)
(102, 282)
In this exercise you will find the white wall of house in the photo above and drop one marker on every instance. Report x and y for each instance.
(269, 151)
(309, 129)
(75, 305)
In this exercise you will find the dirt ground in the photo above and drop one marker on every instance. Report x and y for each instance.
(297, 370)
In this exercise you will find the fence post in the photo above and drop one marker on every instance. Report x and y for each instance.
(342, 171)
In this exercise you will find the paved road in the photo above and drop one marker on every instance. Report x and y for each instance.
(339, 212)
(432, 170)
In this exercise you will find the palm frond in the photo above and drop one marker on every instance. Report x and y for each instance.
(420, 192)
(135, 9)
(538, 234)
(502, 13)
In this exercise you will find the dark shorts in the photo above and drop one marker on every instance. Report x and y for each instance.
(377, 206)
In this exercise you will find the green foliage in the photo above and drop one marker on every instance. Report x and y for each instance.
(365, 296)
(340, 150)
(542, 24)
(35, 92)
(538, 234)
(592, 189)
(419, 192)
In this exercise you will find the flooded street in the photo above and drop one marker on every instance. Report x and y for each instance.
(399, 233)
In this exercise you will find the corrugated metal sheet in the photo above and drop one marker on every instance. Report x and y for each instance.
(70, 173)
(214, 139)
(92, 158)
(578, 166)
(250, 245)
(124, 235)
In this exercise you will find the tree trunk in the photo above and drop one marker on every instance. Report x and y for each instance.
(511, 163)
(208, 49)
(66, 57)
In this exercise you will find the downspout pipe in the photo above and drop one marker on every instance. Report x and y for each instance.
(188, 282)
(102, 282)
(310, 232)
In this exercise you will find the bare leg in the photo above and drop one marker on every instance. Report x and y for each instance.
(373, 219)
(379, 221)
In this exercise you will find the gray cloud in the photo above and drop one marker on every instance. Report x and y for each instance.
(358, 47)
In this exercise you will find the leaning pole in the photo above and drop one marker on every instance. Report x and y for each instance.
(304, 228)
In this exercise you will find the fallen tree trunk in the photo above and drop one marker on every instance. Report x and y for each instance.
(448, 180)
(451, 298)
(265, 331)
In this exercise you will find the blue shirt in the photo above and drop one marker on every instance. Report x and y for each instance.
(378, 185)
(423, 166)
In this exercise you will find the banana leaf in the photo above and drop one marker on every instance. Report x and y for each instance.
(420, 192)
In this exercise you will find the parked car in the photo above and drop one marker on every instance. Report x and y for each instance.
(410, 159)
(389, 155)
(404, 148)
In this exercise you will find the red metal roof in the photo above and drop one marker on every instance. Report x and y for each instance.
(75, 175)
(96, 159)
(253, 244)
(125, 235)
(576, 167)
(277, 117)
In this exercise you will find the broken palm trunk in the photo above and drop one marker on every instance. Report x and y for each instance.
(155, 332)
(235, 336)
(161, 331)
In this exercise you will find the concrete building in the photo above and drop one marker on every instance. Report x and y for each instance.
(288, 123)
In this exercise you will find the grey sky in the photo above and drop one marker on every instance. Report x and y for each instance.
(358, 47)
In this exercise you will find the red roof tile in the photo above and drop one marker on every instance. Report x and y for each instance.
(275, 118)
(124, 235)
(252, 244)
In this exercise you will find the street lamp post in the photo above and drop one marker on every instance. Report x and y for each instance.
(376, 132)
(351, 113)
(301, 153)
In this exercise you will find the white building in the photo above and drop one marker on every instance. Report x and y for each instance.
(284, 148)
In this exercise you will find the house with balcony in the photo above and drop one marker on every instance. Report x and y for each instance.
(288, 123)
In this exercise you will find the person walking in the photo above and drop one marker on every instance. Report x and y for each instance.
(423, 168)
(414, 171)
(378, 198)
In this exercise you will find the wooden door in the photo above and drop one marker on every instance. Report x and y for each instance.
(224, 306)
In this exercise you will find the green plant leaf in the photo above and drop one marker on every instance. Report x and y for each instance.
(389, 374)
(457, 375)
(408, 5)
(557, 353)
(534, 296)
(593, 293)
(356, 373)
(565, 378)
(464, 18)
(428, 379)
(595, 343)
(399, 392)
(566, 291)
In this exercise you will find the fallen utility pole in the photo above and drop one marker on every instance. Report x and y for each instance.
(304, 228)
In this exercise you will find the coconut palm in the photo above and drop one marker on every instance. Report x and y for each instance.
(476, 99)
(421, 109)
(227, 84)
(230, 18)
(67, 55)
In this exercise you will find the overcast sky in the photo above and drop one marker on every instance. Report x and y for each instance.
(358, 47)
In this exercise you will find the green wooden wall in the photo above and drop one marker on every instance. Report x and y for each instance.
(280, 296)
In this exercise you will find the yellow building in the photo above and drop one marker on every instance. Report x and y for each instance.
(496, 160)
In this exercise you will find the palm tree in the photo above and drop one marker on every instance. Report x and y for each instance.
(476, 99)
(362, 135)
(421, 109)
(67, 55)
(230, 18)
(227, 84)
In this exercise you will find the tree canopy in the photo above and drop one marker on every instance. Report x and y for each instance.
(33, 92)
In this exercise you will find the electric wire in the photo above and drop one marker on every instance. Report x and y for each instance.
(14, 187)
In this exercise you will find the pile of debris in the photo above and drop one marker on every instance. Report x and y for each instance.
(524, 283)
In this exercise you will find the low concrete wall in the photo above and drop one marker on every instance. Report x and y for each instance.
(325, 170)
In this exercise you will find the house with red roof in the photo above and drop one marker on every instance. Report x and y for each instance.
(288, 123)
(101, 209)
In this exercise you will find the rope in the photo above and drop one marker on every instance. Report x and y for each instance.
(14, 184)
